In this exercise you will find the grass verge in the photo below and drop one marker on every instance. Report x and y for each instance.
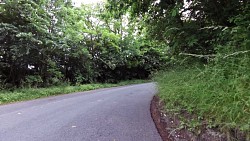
(215, 97)
(35, 93)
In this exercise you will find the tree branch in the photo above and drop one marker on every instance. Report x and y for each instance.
(214, 55)
(197, 55)
(236, 53)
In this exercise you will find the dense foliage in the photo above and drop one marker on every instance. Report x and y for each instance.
(48, 42)
(190, 26)
(214, 33)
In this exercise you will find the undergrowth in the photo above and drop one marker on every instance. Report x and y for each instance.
(217, 95)
(8, 96)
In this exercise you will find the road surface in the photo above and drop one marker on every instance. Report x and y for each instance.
(112, 114)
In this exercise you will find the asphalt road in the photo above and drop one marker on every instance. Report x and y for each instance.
(113, 114)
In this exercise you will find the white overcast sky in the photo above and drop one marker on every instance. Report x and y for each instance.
(79, 2)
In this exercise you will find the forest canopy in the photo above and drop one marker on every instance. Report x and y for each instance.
(47, 42)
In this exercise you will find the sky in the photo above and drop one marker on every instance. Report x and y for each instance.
(78, 2)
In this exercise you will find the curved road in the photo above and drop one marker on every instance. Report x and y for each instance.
(112, 114)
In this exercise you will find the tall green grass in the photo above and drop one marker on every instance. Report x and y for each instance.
(218, 95)
(7, 96)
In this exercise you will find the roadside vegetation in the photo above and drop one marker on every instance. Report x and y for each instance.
(210, 97)
(207, 80)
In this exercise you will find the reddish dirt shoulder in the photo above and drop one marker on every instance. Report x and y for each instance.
(156, 114)
(169, 127)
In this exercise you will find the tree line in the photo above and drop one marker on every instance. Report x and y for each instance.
(49, 42)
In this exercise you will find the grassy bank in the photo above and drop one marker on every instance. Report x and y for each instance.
(216, 96)
(34, 93)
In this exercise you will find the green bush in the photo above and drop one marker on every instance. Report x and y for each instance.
(33, 81)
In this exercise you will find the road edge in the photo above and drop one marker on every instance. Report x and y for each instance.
(156, 114)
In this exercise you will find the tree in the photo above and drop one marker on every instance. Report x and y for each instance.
(186, 26)
(48, 42)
